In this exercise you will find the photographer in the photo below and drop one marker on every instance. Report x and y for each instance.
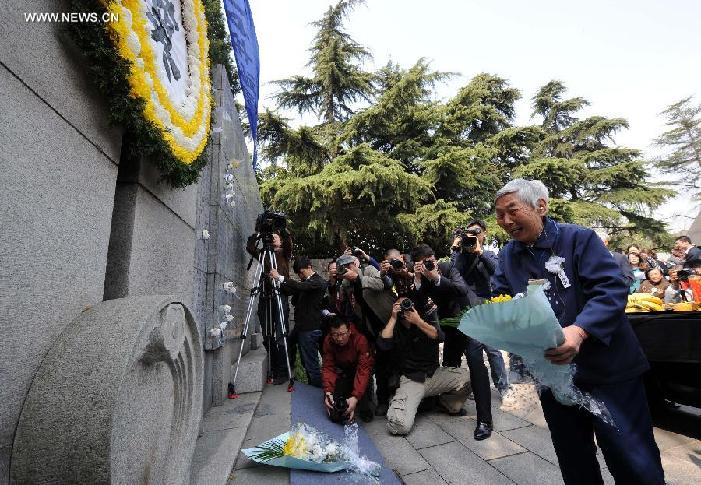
(307, 295)
(395, 273)
(444, 285)
(346, 366)
(353, 283)
(415, 340)
(271, 230)
(476, 266)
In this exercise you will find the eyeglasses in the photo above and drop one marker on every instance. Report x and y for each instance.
(339, 335)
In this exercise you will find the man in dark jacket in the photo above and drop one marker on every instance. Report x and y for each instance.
(477, 265)
(587, 294)
(444, 285)
(307, 296)
(691, 253)
(415, 338)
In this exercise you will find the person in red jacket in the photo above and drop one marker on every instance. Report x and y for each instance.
(346, 368)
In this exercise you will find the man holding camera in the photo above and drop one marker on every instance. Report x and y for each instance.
(415, 337)
(307, 295)
(346, 367)
(452, 296)
(270, 228)
(476, 266)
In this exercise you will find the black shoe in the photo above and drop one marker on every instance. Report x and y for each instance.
(483, 431)
(382, 409)
(279, 380)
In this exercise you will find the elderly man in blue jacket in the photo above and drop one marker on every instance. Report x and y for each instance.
(588, 295)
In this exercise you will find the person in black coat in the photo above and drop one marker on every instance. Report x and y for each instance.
(691, 252)
(444, 285)
(307, 296)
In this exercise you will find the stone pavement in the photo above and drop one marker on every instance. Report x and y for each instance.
(440, 449)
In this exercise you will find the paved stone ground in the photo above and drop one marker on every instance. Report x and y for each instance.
(440, 448)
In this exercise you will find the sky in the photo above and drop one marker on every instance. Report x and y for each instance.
(630, 59)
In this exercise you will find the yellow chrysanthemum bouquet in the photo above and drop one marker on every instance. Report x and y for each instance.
(306, 448)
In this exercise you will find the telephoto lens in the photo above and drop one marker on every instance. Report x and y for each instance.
(430, 265)
(396, 264)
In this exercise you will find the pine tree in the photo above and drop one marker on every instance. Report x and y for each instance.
(337, 79)
(684, 140)
(591, 183)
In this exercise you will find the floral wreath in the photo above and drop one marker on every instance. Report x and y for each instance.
(152, 63)
(184, 125)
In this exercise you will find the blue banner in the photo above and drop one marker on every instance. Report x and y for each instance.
(245, 44)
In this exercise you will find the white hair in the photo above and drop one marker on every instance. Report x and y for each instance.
(527, 191)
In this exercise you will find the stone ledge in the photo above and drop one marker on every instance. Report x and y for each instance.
(252, 372)
(224, 428)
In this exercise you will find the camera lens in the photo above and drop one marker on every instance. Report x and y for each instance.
(406, 304)
(397, 264)
(430, 265)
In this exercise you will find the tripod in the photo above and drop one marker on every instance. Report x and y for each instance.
(265, 255)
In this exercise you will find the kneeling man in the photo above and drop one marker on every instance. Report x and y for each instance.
(346, 367)
(416, 344)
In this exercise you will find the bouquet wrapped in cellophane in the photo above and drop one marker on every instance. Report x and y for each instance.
(527, 326)
(305, 448)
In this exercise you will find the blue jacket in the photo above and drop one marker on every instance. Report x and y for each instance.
(595, 299)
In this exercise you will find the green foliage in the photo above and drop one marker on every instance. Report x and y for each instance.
(684, 140)
(597, 185)
(110, 73)
(407, 168)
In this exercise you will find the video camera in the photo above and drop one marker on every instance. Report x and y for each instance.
(468, 239)
(269, 222)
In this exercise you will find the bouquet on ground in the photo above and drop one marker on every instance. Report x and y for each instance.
(527, 326)
(305, 448)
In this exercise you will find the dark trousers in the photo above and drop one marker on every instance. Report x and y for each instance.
(384, 367)
(308, 343)
(345, 378)
(497, 368)
(630, 450)
(274, 339)
(456, 343)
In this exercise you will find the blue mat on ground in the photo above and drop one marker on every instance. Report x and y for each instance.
(308, 407)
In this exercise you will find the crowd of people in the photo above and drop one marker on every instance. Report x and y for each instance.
(644, 272)
(381, 323)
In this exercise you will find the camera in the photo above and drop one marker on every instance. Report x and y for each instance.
(339, 410)
(396, 264)
(683, 274)
(340, 271)
(468, 239)
(357, 252)
(406, 305)
(269, 222)
(429, 264)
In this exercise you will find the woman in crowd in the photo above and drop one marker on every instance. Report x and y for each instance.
(638, 271)
(655, 283)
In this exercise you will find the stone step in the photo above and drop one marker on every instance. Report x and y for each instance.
(225, 426)
(252, 372)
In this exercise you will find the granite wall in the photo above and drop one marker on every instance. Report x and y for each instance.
(81, 225)
(58, 168)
